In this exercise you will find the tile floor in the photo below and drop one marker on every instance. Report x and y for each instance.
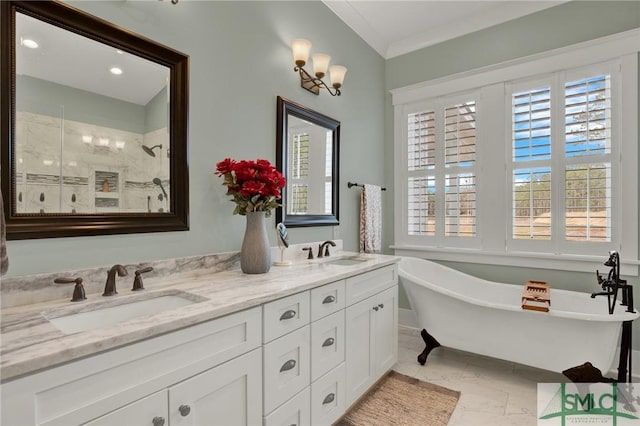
(493, 392)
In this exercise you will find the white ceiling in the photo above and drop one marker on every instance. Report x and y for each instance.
(396, 27)
(69, 59)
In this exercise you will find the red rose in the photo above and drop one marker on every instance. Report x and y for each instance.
(251, 188)
(225, 166)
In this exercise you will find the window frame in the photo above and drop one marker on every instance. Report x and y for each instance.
(620, 52)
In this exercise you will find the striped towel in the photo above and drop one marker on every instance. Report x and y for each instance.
(4, 260)
(371, 219)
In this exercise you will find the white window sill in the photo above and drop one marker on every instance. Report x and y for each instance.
(561, 262)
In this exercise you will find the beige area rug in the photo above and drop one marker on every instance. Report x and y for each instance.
(402, 400)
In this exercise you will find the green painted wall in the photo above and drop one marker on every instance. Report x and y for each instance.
(44, 97)
(240, 61)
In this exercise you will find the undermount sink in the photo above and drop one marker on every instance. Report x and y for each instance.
(347, 261)
(114, 311)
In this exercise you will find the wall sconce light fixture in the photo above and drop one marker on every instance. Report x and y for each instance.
(301, 48)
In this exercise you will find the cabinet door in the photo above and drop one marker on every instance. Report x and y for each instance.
(149, 411)
(359, 365)
(228, 395)
(385, 331)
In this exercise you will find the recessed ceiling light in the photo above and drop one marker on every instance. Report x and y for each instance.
(116, 71)
(103, 141)
(120, 144)
(87, 138)
(31, 44)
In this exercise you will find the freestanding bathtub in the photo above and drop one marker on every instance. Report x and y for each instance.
(485, 317)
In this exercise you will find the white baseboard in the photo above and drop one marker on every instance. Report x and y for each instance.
(408, 318)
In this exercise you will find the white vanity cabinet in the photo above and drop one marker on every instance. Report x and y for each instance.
(300, 360)
(371, 329)
(351, 339)
(228, 394)
(204, 367)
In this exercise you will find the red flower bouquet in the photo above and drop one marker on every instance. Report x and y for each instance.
(255, 185)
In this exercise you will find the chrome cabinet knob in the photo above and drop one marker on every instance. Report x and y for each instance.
(158, 421)
(184, 410)
(375, 308)
(381, 305)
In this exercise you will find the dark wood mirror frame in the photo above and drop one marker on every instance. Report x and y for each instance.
(29, 226)
(288, 108)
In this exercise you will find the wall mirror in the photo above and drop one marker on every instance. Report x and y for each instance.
(93, 121)
(307, 154)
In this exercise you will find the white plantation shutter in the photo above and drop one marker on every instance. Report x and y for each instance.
(587, 110)
(421, 139)
(531, 154)
(421, 148)
(422, 206)
(441, 153)
(460, 159)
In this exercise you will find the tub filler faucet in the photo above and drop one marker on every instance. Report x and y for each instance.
(110, 285)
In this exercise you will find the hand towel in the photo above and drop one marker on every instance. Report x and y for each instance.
(4, 260)
(371, 219)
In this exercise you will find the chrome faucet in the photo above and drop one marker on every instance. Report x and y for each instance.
(325, 246)
(110, 285)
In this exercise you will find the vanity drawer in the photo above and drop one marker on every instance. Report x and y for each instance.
(295, 412)
(327, 344)
(328, 397)
(284, 315)
(362, 286)
(286, 367)
(327, 299)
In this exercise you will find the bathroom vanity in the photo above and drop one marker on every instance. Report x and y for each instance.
(298, 345)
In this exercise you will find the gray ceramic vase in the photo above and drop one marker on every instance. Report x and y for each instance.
(255, 254)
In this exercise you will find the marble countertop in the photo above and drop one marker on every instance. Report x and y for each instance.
(29, 342)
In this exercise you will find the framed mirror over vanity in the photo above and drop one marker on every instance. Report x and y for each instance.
(307, 154)
(93, 120)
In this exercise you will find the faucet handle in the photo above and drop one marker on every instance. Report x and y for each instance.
(78, 290)
(137, 281)
(310, 249)
(319, 251)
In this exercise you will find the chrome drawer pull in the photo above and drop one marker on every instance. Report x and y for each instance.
(184, 410)
(288, 315)
(375, 308)
(328, 299)
(381, 305)
(288, 365)
(158, 421)
(329, 398)
(328, 342)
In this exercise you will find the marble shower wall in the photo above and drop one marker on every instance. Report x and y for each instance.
(65, 166)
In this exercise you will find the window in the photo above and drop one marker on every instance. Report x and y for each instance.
(561, 160)
(441, 158)
(523, 162)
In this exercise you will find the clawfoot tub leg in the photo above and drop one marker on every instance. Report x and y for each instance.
(430, 342)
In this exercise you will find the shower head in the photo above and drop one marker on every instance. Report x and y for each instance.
(150, 150)
(158, 182)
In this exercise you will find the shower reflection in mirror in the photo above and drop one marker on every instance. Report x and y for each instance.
(104, 145)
